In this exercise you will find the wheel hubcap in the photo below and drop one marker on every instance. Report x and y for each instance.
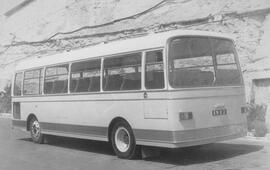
(122, 139)
(35, 129)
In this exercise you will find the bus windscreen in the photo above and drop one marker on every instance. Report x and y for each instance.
(202, 62)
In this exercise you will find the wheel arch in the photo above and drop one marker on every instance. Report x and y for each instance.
(112, 123)
(30, 116)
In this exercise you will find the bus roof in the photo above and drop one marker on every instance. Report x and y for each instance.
(150, 41)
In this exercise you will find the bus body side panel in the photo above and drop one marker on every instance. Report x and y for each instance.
(88, 116)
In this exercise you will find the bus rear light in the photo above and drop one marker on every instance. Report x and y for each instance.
(16, 110)
(244, 109)
(185, 116)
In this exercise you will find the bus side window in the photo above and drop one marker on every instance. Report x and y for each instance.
(56, 79)
(85, 76)
(154, 72)
(122, 73)
(32, 82)
(18, 84)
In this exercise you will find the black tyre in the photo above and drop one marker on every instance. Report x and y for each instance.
(35, 131)
(123, 141)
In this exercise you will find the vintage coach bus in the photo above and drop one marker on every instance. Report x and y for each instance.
(171, 89)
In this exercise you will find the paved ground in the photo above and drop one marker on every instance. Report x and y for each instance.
(18, 152)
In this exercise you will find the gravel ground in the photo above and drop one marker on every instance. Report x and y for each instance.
(18, 152)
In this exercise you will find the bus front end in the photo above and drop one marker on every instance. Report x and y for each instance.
(207, 97)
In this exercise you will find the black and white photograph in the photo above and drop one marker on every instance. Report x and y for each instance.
(134, 85)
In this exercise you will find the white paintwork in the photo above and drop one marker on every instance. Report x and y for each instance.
(202, 102)
(150, 41)
(93, 110)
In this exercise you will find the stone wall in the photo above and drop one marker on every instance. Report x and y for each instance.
(44, 28)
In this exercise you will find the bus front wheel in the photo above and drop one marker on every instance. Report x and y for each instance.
(35, 131)
(123, 141)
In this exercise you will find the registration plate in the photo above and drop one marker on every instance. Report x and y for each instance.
(219, 112)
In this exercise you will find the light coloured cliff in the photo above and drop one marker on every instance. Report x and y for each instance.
(47, 27)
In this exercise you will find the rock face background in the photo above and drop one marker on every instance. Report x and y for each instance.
(47, 27)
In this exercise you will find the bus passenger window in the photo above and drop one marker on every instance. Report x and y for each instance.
(56, 79)
(122, 73)
(85, 76)
(18, 84)
(32, 82)
(154, 72)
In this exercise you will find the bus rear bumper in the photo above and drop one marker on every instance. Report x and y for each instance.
(178, 139)
(203, 141)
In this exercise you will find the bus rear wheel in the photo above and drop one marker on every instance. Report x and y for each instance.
(35, 131)
(123, 141)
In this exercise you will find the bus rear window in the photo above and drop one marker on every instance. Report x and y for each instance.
(202, 62)
(227, 72)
